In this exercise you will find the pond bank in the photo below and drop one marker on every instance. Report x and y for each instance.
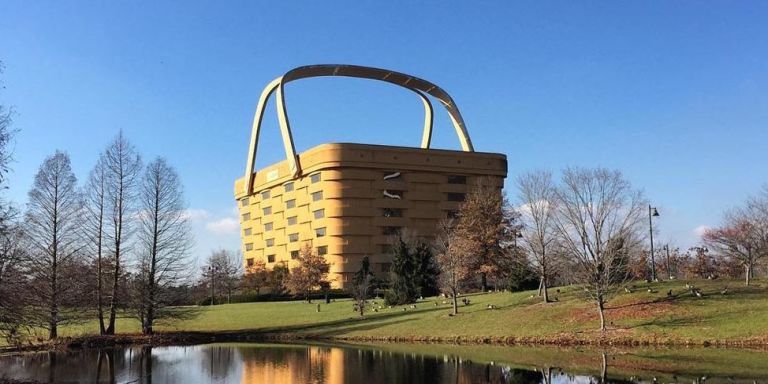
(194, 338)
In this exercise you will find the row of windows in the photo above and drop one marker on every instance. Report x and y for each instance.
(321, 251)
(292, 237)
(293, 220)
(288, 187)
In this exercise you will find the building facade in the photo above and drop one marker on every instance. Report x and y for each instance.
(348, 200)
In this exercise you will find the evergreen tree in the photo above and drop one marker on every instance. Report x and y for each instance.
(403, 282)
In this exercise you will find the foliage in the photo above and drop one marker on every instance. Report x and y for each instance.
(309, 275)
(361, 285)
(256, 277)
(744, 235)
(486, 225)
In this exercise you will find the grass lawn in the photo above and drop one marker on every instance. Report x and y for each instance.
(644, 316)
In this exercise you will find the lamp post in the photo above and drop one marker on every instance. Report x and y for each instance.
(212, 270)
(652, 212)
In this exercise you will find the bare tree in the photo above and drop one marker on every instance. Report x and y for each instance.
(52, 225)
(95, 230)
(122, 172)
(537, 196)
(163, 243)
(598, 220)
(13, 308)
(456, 265)
(744, 235)
(486, 224)
(222, 272)
(310, 274)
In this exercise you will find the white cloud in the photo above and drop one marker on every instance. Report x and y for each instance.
(225, 225)
(195, 214)
(699, 231)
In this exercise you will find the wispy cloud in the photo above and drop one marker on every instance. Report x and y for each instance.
(195, 214)
(699, 231)
(227, 225)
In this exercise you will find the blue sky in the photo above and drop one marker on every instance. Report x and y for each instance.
(673, 93)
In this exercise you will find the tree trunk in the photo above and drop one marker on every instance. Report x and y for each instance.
(544, 289)
(484, 281)
(601, 309)
(748, 272)
(455, 303)
(113, 301)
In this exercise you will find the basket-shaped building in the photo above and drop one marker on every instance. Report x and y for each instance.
(348, 200)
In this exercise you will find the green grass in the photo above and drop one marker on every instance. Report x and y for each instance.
(740, 315)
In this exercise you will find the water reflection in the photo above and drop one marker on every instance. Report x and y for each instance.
(324, 364)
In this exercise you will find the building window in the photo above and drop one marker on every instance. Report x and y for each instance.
(314, 178)
(320, 232)
(293, 237)
(270, 242)
(391, 230)
(288, 186)
(316, 196)
(246, 216)
(290, 204)
(267, 227)
(265, 194)
(292, 220)
(456, 179)
(456, 197)
(294, 255)
(244, 202)
(319, 214)
(392, 212)
(247, 231)
(249, 246)
(322, 250)
(270, 258)
(267, 210)
(392, 194)
(249, 262)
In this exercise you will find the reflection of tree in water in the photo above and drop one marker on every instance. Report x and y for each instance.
(219, 362)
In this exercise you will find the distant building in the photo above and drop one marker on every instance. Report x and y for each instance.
(347, 200)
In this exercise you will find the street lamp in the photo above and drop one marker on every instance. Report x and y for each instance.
(652, 212)
(212, 269)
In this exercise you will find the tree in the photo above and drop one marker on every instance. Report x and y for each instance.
(122, 173)
(310, 274)
(456, 266)
(276, 279)
(222, 273)
(403, 281)
(744, 235)
(486, 223)
(52, 223)
(598, 220)
(13, 308)
(537, 197)
(95, 226)
(427, 271)
(361, 284)
(256, 276)
(163, 243)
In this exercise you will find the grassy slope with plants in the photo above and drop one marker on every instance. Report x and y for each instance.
(737, 318)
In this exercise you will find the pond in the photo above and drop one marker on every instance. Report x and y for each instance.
(385, 363)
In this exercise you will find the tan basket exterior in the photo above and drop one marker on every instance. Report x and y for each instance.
(352, 185)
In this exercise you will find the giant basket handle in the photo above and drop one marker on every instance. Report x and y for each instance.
(421, 87)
